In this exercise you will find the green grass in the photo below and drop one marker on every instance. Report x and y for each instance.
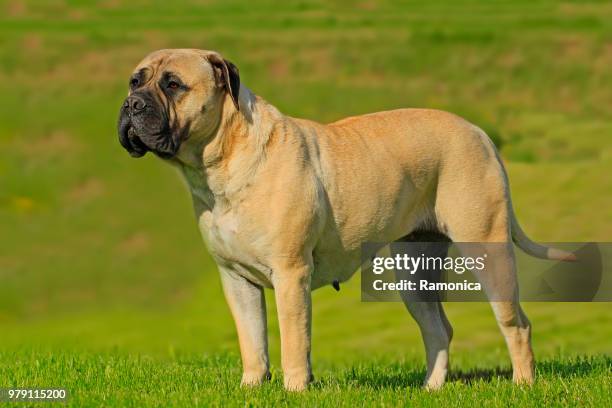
(196, 380)
(101, 263)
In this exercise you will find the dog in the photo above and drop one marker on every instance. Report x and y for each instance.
(285, 203)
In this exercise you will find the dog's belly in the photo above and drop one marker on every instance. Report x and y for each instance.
(337, 256)
(338, 252)
(337, 266)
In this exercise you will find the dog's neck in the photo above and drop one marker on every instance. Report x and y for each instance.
(221, 167)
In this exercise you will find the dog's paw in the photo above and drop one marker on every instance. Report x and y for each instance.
(435, 381)
(523, 379)
(253, 379)
(433, 386)
(297, 382)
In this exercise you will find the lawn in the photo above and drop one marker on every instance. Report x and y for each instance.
(105, 285)
(196, 380)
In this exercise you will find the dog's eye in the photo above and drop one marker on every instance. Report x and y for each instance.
(134, 82)
(173, 85)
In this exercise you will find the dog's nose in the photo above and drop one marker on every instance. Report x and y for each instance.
(135, 103)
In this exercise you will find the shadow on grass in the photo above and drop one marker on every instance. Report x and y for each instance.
(395, 376)
(576, 367)
(480, 374)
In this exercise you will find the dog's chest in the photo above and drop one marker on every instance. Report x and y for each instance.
(224, 236)
(223, 231)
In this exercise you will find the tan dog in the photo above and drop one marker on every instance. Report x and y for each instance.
(285, 203)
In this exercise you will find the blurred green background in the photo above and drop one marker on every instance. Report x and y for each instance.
(101, 252)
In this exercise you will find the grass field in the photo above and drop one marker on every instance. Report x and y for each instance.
(111, 380)
(105, 286)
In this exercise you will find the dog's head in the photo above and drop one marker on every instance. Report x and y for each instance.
(174, 94)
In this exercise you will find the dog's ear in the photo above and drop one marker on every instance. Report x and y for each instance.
(227, 76)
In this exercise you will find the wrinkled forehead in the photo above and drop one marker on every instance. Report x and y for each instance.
(189, 65)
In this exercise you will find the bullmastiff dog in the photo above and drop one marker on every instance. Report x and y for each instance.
(285, 203)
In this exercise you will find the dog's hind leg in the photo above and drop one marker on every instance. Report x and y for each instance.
(499, 280)
(437, 334)
(500, 283)
(516, 329)
(436, 330)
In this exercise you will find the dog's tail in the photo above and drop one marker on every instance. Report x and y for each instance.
(518, 235)
(533, 248)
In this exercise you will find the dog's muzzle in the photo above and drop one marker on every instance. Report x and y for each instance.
(143, 127)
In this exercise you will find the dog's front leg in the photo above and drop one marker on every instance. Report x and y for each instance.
(293, 302)
(248, 306)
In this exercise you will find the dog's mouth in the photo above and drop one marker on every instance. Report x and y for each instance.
(139, 149)
(129, 139)
(138, 140)
(148, 130)
(137, 146)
